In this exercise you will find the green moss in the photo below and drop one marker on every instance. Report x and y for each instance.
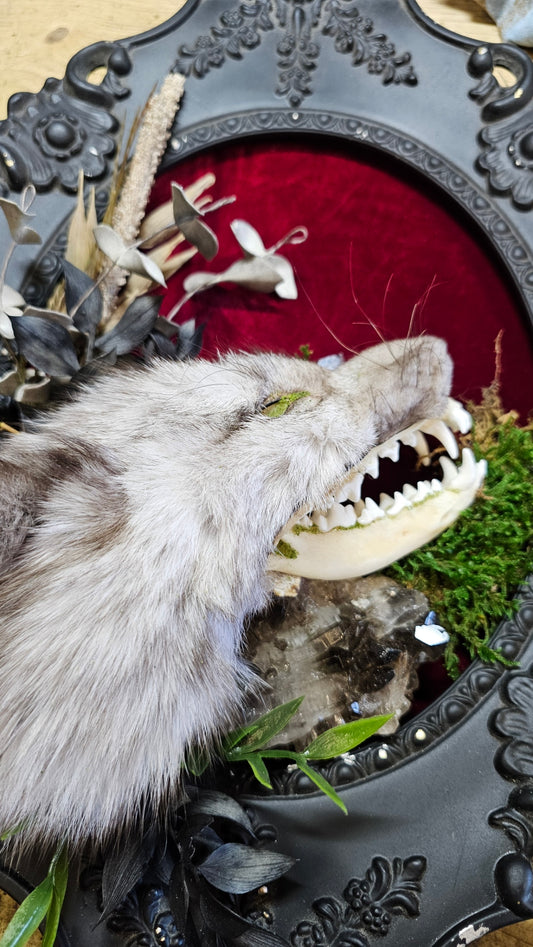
(472, 571)
(286, 550)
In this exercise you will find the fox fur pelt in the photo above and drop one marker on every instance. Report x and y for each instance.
(135, 525)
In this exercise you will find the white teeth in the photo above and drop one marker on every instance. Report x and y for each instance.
(319, 520)
(372, 468)
(410, 493)
(422, 448)
(390, 449)
(351, 490)
(408, 437)
(341, 516)
(450, 472)
(442, 432)
(400, 503)
(385, 502)
(467, 472)
(423, 490)
(468, 475)
(457, 417)
(370, 513)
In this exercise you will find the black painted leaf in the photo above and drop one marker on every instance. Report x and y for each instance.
(136, 323)
(178, 895)
(190, 339)
(78, 285)
(237, 868)
(221, 806)
(46, 345)
(259, 937)
(124, 867)
(158, 344)
(234, 928)
(222, 919)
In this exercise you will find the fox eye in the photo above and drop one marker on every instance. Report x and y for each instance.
(277, 405)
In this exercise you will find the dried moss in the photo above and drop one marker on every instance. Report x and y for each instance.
(472, 571)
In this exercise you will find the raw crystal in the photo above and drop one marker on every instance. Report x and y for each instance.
(349, 646)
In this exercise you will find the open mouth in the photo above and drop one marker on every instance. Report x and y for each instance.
(402, 494)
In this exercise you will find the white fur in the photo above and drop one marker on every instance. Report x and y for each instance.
(135, 526)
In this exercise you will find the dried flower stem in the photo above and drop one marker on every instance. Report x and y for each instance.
(151, 143)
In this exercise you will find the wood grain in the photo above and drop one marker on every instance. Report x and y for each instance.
(38, 39)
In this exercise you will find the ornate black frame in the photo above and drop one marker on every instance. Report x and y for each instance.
(431, 799)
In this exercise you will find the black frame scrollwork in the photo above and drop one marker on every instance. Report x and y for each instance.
(438, 843)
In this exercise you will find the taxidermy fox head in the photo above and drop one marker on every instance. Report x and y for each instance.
(136, 526)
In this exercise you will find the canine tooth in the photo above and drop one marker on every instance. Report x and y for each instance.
(457, 417)
(390, 449)
(450, 472)
(400, 503)
(422, 448)
(385, 502)
(351, 490)
(442, 432)
(370, 513)
(467, 472)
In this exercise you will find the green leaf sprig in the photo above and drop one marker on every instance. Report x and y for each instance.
(45, 901)
(248, 745)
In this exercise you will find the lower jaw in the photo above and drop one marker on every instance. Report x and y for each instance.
(361, 550)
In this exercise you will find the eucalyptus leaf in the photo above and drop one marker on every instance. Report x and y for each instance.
(11, 298)
(201, 236)
(255, 273)
(256, 734)
(46, 345)
(127, 257)
(29, 915)
(344, 738)
(80, 286)
(136, 323)
(6, 327)
(248, 238)
(237, 869)
(18, 222)
(187, 219)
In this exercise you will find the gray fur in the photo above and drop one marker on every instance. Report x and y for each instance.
(135, 526)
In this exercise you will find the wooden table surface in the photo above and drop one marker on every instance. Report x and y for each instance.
(38, 39)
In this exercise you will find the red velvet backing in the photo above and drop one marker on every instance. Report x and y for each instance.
(384, 246)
